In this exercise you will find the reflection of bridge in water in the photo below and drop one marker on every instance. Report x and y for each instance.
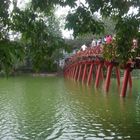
(84, 64)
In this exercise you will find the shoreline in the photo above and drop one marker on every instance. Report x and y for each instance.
(45, 74)
(41, 74)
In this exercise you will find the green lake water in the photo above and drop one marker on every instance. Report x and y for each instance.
(53, 108)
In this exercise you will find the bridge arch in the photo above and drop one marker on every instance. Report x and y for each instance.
(85, 65)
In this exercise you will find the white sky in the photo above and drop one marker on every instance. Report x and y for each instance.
(133, 10)
(62, 12)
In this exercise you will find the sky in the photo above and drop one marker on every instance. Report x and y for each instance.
(63, 12)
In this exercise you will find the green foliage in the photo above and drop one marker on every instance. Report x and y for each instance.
(10, 52)
(110, 51)
(126, 29)
(109, 26)
(48, 5)
(78, 22)
(4, 18)
(126, 26)
(112, 7)
(41, 34)
(79, 41)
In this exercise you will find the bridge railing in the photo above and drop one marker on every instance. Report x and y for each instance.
(88, 54)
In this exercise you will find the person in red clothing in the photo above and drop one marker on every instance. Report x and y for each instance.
(108, 39)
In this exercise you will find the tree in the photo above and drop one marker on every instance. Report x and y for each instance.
(10, 51)
(81, 20)
(109, 26)
(4, 18)
(126, 27)
(31, 23)
(41, 35)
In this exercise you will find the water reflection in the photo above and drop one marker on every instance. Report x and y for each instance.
(114, 113)
(138, 109)
(53, 108)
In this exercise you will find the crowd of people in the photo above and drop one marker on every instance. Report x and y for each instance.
(105, 40)
(95, 49)
(97, 42)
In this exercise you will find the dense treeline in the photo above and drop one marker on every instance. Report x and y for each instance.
(32, 35)
(29, 37)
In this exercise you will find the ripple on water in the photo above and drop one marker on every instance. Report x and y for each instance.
(108, 138)
(30, 111)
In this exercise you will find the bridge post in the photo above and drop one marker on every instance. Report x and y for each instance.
(102, 74)
(108, 76)
(130, 81)
(118, 75)
(84, 73)
(125, 81)
(98, 74)
(76, 71)
(74, 68)
(90, 73)
(79, 73)
(71, 71)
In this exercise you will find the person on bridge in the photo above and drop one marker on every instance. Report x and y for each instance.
(83, 47)
(99, 41)
(94, 43)
(108, 39)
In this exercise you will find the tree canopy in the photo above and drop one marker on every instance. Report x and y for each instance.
(40, 35)
(81, 19)
(40, 31)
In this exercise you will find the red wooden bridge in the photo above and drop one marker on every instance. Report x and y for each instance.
(84, 64)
